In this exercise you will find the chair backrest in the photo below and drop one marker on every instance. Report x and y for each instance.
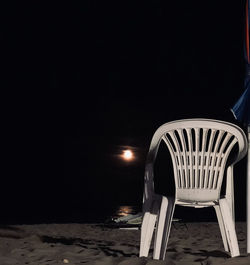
(199, 150)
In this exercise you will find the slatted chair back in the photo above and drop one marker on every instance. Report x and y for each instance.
(199, 150)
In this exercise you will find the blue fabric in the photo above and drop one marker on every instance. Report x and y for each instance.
(241, 109)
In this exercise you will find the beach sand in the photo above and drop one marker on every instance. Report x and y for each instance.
(95, 244)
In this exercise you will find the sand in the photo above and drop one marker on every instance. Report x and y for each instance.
(47, 244)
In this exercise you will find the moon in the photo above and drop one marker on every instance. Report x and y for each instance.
(128, 155)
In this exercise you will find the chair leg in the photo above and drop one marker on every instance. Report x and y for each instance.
(229, 227)
(147, 229)
(163, 227)
(222, 228)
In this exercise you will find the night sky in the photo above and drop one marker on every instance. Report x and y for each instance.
(86, 79)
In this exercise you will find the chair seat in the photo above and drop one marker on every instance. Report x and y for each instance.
(197, 204)
(197, 194)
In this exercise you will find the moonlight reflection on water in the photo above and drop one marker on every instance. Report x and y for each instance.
(125, 210)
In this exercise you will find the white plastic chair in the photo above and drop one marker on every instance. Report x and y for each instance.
(199, 149)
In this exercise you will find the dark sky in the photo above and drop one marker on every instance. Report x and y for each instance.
(86, 78)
